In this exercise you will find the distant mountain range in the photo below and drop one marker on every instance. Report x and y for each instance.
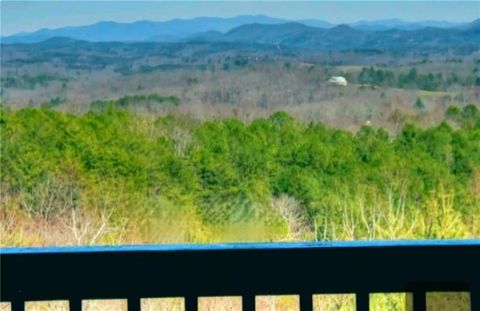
(169, 31)
(214, 27)
(344, 37)
(381, 25)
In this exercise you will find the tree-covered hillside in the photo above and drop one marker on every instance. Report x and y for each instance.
(283, 178)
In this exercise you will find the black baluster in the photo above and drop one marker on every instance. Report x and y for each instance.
(75, 305)
(419, 300)
(248, 303)
(134, 304)
(362, 301)
(306, 302)
(475, 298)
(191, 303)
(18, 305)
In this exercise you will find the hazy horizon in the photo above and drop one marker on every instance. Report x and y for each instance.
(29, 16)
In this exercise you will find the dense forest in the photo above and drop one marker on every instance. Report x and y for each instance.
(173, 178)
(412, 79)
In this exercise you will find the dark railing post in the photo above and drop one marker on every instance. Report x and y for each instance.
(134, 304)
(191, 303)
(419, 300)
(248, 302)
(475, 297)
(75, 304)
(306, 302)
(18, 305)
(362, 301)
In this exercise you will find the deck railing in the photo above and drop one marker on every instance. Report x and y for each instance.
(246, 270)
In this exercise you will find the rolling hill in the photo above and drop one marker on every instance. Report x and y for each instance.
(387, 24)
(344, 37)
(167, 31)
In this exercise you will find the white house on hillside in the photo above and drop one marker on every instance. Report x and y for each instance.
(339, 81)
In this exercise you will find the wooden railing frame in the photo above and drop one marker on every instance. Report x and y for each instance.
(246, 270)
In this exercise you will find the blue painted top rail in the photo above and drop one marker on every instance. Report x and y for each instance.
(239, 246)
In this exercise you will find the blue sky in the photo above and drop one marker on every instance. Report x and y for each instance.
(21, 16)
